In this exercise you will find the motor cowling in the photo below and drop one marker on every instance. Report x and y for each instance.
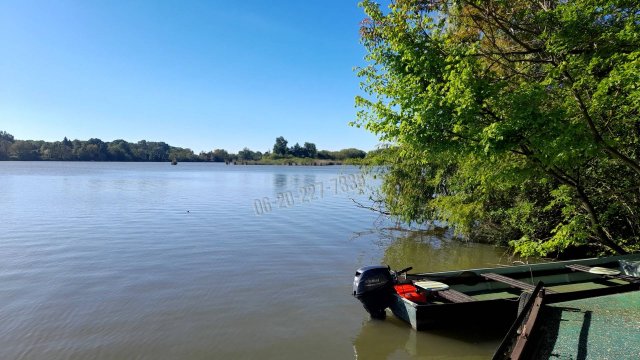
(373, 286)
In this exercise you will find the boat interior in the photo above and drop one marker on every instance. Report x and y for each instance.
(562, 281)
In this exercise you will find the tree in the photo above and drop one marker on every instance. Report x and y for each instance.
(247, 154)
(158, 151)
(5, 136)
(220, 155)
(66, 142)
(311, 150)
(24, 150)
(96, 150)
(350, 153)
(325, 155)
(92, 150)
(280, 147)
(297, 150)
(509, 117)
(181, 154)
(6, 140)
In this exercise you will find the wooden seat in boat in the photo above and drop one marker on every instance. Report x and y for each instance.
(611, 273)
(512, 282)
(443, 291)
(455, 296)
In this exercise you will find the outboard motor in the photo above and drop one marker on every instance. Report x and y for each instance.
(373, 286)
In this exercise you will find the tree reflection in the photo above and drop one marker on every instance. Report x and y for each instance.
(429, 250)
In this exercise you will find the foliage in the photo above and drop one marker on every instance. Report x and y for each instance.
(121, 150)
(219, 155)
(5, 136)
(343, 154)
(310, 150)
(91, 150)
(509, 118)
(307, 151)
(280, 147)
(246, 154)
(297, 151)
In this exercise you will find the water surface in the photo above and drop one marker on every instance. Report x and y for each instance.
(153, 261)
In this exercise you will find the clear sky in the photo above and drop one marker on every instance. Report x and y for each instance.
(198, 74)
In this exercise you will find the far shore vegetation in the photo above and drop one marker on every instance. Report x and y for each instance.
(150, 151)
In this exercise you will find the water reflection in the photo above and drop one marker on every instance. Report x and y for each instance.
(397, 339)
(279, 181)
(309, 178)
(437, 251)
(293, 181)
(393, 339)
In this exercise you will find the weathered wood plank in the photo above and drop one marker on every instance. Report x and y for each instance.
(454, 296)
(511, 282)
(587, 269)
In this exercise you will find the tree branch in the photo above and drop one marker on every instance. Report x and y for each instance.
(362, 206)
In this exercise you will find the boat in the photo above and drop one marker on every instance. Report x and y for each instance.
(488, 296)
(174, 162)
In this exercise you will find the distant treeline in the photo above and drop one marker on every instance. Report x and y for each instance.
(121, 150)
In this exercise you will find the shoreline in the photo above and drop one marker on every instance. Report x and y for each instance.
(279, 162)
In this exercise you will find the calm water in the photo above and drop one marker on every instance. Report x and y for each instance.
(152, 261)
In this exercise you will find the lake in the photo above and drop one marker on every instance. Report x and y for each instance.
(206, 261)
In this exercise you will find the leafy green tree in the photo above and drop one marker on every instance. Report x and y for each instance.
(297, 150)
(97, 150)
(509, 117)
(66, 142)
(5, 136)
(310, 150)
(280, 147)
(247, 154)
(56, 151)
(92, 150)
(119, 150)
(325, 155)
(24, 150)
(139, 150)
(158, 151)
(350, 153)
(220, 155)
(6, 140)
(181, 154)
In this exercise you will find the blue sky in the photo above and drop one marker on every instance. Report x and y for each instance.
(197, 74)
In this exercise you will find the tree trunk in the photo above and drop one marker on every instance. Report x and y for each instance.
(601, 234)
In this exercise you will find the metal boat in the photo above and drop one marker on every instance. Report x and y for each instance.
(490, 295)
